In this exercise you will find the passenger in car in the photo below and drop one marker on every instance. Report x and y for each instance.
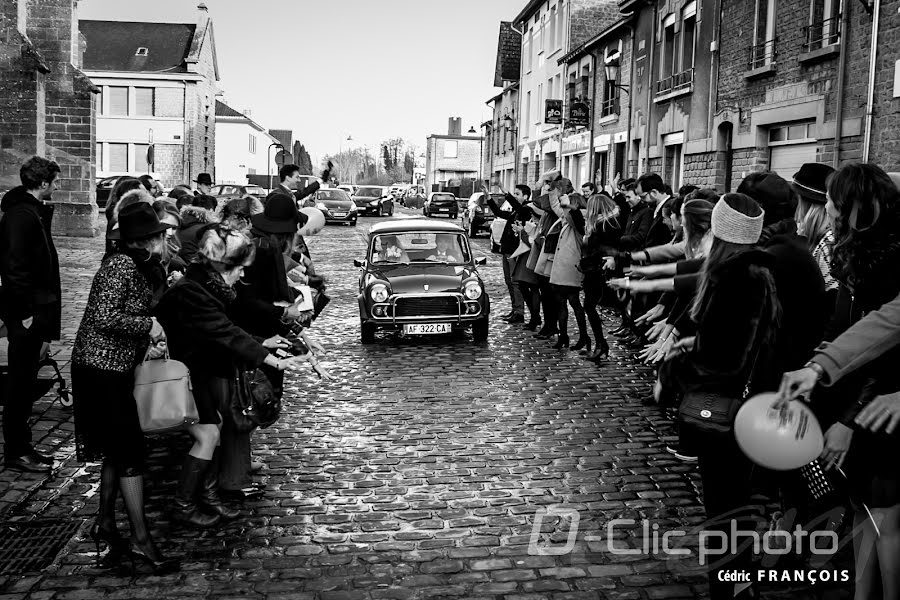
(447, 249)
(392, 251)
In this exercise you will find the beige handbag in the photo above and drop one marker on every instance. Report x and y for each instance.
(162, 391)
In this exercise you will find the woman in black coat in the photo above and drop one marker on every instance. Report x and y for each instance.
(602, 232)
(202, 335)
(736, 310)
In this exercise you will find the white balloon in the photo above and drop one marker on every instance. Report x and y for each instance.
(315, 222)
(779, 440)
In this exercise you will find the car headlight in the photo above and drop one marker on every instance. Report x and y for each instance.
(473, 290)
(379, 292)
(374, 202)
(321, 206)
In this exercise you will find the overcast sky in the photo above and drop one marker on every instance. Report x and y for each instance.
(329, 69)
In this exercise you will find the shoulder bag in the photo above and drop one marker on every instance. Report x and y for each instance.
(162, 392)
(253, 402)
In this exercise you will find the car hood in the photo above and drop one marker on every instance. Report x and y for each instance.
(412, 278)
(337, 204)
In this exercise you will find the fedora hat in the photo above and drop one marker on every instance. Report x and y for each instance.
(137, 222)
(279, 216)
(810, 180)
(204, 179)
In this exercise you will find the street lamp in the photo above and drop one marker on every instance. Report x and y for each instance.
(480, 152)
(611, 70)
(341, 158)
(269, 158)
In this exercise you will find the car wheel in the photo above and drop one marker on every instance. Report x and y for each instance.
(480, 330)
(473, 231)
(380, 210)
(366, 333)
(391, 210)
(353, 223)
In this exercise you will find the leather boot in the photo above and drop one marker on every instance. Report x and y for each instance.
(209, 493)
(186, 509)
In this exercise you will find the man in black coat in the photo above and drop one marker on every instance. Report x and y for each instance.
(639, 218)
(651, 189)
(30, 302)
(509, 242)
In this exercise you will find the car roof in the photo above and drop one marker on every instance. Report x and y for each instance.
(405, 225)
(442, 193)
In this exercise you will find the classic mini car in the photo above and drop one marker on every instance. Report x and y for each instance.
(420, 277)
(478, 215)
(374, 200)
(336, 205)
(440, 203)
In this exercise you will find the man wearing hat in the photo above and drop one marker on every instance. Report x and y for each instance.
(204, 184)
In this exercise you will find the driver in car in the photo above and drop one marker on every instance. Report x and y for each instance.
(392, 251)
(447, 249)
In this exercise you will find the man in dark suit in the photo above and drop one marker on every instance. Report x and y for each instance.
(652, 190)
(290, 178)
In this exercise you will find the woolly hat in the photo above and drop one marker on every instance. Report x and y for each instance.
(730, 225)
(810, 180)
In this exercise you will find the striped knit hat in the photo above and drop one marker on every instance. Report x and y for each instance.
(730, 225)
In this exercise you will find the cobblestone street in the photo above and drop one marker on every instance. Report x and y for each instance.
(416, 473)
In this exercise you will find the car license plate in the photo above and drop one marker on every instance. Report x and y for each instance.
(339, 214)
(426, 328)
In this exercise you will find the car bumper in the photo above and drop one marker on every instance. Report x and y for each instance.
(392, 315)
(451, 210)
(367, 210)
(347, 218)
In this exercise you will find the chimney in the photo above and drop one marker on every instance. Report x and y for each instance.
(202, 8)
(455, 127)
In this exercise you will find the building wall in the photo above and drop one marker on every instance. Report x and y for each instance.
(440, 168)
(611, 130)
(500, 147)
(885, 148)
(49, 113)
(200, 120)
(234, 160)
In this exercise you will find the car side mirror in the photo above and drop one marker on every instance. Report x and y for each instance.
(359, 263)
(481, 261)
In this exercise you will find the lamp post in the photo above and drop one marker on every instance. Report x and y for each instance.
(480, 152)
(269, 159)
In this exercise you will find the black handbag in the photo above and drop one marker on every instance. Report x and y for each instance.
(253, 401)
(711, 412)
(551, 241)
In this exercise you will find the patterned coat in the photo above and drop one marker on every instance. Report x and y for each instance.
(115, 330)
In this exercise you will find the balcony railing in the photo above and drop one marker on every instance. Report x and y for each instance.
(609, 107)
(821, 34)
(676, 82)
(762, 54)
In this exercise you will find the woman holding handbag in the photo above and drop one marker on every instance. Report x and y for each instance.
(565, 277)
(112, 339)
(203, 336)
(736, 311)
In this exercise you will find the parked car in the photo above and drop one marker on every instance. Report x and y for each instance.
(478, 215)
(441, 202)
(374, 200)
(104, 187)
(398, 189)
(336, 205)
(413, 198)
(229, 191)
(349, 188)
(420, 277)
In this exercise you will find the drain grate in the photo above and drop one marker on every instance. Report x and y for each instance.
(32, 545)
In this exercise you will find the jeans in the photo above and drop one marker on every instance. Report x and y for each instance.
(532, 295)
(24, 357)
(515, 294)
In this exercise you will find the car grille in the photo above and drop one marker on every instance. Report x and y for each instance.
(426, 307)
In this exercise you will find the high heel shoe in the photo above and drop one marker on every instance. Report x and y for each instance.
(531, 325)
(583, 345)
(562, 343)
(601, 353)
(150, 555)
(114, 542)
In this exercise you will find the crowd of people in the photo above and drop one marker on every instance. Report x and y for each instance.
(214, 287)
(779, 285)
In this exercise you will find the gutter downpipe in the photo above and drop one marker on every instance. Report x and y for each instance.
(516, 155)
(842, 69)
(650, 66)
(714, 71)
(590, 150)
(631, 31)
(870, 100)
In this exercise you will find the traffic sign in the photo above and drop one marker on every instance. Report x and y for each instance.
(283, 158)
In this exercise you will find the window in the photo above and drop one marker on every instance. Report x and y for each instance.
(451, 149)
(824, 25)
(792, 133)
(118, 157)
(98, 102)
(610, 104)
(676, 65)
(539, 34)
(252, 146)
(98, 155)
(140, 158)
(540, 103)
(527, 121)
(551, 25)
(143, 101)
(560, 25)
(585, 83)
(667, 56)
(550, 89)
(672, 165)
(118, 101)
(688, 35)
(526, 49)
(762, 53)
(571, 89)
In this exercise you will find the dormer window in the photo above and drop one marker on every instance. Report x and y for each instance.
(141, 52)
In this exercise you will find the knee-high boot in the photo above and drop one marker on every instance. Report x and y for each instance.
(209, 493)
(186, 509)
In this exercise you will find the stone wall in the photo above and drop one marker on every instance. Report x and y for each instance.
(705, 170)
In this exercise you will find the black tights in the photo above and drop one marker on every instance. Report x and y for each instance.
(548, 304)
(131, 483)
(570, 296)
(592, 297)
(532, 295)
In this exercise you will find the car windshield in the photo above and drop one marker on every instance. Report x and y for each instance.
(332, 195)
(374, 192)
(254, 190)
(442, 197)
(419, 247)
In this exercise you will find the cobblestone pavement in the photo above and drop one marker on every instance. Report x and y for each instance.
(416, 473)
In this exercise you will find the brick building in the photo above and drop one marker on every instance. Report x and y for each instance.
(158, 86)
(500, 157)
(452, 158)
(46, 105)
(550, 29)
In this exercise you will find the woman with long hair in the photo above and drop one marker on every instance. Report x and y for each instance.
(113, 338)
(813, 223)
(196, 312)
(168, 214)
(864, 207)
(736, 312)
(602, 231)
(565, 276)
